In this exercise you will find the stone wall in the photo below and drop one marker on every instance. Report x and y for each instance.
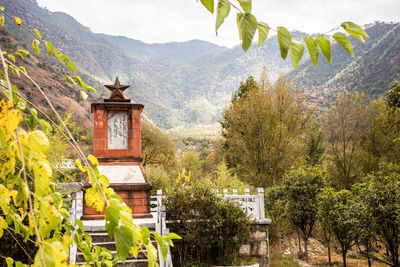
(258, 246)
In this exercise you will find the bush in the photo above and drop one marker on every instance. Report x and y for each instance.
(212, 229)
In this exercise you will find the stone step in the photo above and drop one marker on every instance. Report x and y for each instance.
(127, 263)
(102, 237)
(141, 255)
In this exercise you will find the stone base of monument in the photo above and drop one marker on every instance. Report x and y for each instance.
(130, 183)
(135, 196)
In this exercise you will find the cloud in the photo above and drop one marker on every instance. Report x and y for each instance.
(158, 21)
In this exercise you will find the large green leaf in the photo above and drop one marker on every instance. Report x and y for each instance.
(112, 216)
(209, 4)
(344, 41)
(312, 49)
(325, 46)
(247, 25)
(296, 53)
(355, 30)
(124, 241)
(161, 243)
(284, 40)
(246, 5)
(263, 30)
(46, 126)
(223, 9)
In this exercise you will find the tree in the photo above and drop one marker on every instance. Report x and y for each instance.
(393, 95)
(301, 188)
(336, 209)
(324, 215)
(263, 131)
(366, 225)
(157, 149)
(315, 145)
(381, 196)
(346, 124)
(274, 203)
(380, 149)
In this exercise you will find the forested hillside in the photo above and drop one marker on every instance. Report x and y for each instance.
(374, 66)
(191, 82)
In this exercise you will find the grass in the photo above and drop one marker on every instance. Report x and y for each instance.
(278, 260)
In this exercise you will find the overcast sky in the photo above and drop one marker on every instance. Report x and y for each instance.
(159, 21)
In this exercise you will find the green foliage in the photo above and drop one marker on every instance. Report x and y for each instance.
(338, 216)
(263, 130)
(325, 46)
(157, 149)
(212, 229)
(380, 196)
(315, 145)
(393, 95)
(247, 25)
(346, 126)
(284, 40)
(223, 9)
(301, 188)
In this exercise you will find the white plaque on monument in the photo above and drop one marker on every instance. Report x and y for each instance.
(117, 129)
(120, 174)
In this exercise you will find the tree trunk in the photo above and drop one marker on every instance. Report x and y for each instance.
(344, 258)
(299, 239)
(328, 243)
(344, 252)
(278, 234)
(368, 256)
(395, 257)
(329, 252)
(306, 248)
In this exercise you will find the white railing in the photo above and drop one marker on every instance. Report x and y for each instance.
(161, 226)
(253, 205)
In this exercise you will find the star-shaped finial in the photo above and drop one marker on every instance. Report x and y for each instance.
(117, 90)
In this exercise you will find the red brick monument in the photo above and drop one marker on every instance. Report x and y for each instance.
(117, 145)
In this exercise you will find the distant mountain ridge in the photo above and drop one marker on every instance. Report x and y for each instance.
(184, 83)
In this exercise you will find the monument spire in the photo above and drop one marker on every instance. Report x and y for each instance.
(117, 90)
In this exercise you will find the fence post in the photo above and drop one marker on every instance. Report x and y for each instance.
(261, 201)
(225, 192)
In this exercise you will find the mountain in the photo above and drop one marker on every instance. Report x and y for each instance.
(189, 83)
(179, 83)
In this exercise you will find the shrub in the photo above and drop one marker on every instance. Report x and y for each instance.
(213, 229)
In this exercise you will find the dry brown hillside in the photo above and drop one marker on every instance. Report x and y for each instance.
(50, 78)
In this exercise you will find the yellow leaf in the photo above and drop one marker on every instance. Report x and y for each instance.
(3, 225)
(79, 164)
(93, 160)
(9, 119)
(1, 8)
(39, 141)
(94, 200)
(18, 21)
(42, 174)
